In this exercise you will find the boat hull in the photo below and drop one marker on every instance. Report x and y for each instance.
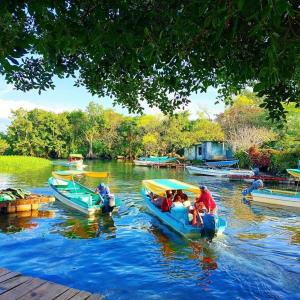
(222, 172)
(75, 195)
(69, 202)
(181, 226)
(282, 198)
(222, 163)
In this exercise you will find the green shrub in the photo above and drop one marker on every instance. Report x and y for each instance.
(244, 159)
(283, 160)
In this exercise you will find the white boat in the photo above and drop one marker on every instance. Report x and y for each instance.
(277, 197)
(218, 172)
(154, 160)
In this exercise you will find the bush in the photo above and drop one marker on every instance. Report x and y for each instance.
(244, 159)
(283, 160)
(260, 157)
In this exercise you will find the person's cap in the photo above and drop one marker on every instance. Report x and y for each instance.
(101, 185)
(203, 187)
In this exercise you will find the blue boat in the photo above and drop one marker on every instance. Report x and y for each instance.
(151, 160)
(177, 217)
(222, 163)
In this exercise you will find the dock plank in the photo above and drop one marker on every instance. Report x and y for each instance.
(13, 282)
(95, 297)
(9, 276)
(22, 289)
(4, 271)
(68, 294)
(45, 291)
(81, 296)
(14, 285)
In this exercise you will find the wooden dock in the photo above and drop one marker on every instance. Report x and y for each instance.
(13, 286)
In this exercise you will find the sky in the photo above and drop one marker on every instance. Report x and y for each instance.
(66, 97)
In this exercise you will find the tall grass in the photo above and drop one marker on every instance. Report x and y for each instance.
(18, 163)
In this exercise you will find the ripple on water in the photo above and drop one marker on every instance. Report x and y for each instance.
(132, 255)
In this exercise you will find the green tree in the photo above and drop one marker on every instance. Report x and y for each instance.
(130, 138)
(109, 136)
(3, 146)
(149, 50)
(176, 133)
(204, 129)
(244, 122)
(92, 124)
(19, 133)
(77, 143)
(39, 133)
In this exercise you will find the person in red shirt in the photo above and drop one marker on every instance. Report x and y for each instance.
(207, 200)
(167, 202)
(204, 202)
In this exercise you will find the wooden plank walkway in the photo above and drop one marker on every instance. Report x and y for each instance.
(13, 286)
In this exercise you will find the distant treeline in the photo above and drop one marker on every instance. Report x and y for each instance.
(103, 133)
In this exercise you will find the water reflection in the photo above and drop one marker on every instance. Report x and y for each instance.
(11, 223)
(173, 246)
(80, 227)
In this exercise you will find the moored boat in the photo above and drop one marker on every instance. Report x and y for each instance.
(222, 163)
(274, 196)
(176, 218)
(76, 195)
(74, 160)
(218, 172)
(277, 197)
(154, 160)
(294, 172)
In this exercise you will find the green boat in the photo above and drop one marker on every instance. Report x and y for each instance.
(79, 197)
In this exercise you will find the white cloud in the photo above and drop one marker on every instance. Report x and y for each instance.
(6, 106)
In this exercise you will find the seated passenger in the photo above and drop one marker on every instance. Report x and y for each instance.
(157, 201)
(183, 196)
(177, 201)
(167, 202)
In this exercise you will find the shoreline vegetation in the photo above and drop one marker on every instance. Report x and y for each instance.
(19, 162)
(99, 133)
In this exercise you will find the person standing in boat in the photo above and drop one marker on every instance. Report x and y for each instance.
(203, 204)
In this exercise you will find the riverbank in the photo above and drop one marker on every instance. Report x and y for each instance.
(19, 162)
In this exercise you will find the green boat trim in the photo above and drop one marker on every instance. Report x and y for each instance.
(79, 196)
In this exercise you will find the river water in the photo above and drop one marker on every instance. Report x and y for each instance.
(131, 255)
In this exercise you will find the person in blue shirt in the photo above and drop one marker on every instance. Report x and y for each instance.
(103, 190)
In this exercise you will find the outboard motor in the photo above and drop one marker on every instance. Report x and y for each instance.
(257, 184)
(109, 204)
(209, 227)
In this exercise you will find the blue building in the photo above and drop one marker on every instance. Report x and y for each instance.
(208, 150)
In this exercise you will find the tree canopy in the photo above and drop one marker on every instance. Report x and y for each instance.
(157, 51)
